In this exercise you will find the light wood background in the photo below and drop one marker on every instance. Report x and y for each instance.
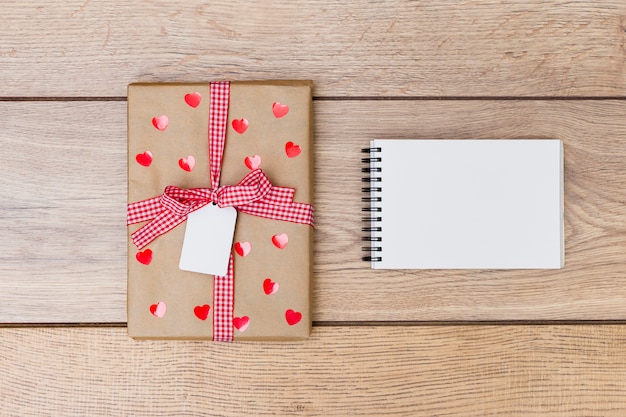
(445, 69)
(373, 371)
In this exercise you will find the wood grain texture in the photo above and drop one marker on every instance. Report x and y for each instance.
(63, 256)
(62, 212)
(349, 48)
(371, 371)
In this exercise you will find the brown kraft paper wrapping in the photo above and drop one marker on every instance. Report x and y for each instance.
(161, 297)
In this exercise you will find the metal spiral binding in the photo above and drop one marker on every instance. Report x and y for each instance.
(372, 209)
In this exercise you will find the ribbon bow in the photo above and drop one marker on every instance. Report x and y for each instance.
(254, 195)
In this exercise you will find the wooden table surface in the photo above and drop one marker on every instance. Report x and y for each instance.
(412, 343)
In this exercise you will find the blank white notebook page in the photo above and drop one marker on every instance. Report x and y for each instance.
(469, 204)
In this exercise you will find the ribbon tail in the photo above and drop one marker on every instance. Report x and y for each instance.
(294, 212)
(144, 210)
(223, 304)
(161, 224)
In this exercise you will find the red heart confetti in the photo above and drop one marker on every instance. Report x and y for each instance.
(293, 317)
(253, 162)
(241, 323)
(161, 122)
(281, 240)
(279, 110)
(202, 312)
(240, 125)
(158, 309)
(144, 159)
(270, 287)
(193, 99)
(144, 257)
(292, 149)
(187, 163)
(243, 248)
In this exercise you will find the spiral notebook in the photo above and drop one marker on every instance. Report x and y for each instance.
(464, 204)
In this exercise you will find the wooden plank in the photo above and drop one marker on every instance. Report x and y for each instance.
(349, 48)
(372, 371)
(62, 256)
(62, 215)
(592, 284)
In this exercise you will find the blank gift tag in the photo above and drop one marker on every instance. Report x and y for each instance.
(208, 239)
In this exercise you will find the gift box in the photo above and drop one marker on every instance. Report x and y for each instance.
(199, 155)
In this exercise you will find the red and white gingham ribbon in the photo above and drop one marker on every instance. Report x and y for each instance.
(253, 195)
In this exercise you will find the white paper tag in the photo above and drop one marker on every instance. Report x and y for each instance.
(208, 240)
